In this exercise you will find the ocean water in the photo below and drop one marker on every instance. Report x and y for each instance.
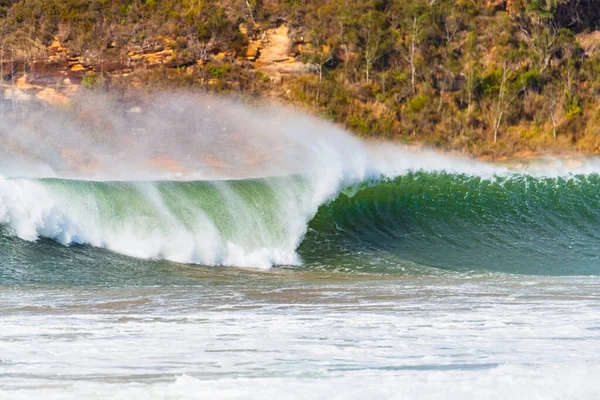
(427, 285)
(266, 255)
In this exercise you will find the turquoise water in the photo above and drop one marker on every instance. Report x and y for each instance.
(426, 285)
(414, 224)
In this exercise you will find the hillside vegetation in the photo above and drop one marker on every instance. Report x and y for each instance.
(489, 78)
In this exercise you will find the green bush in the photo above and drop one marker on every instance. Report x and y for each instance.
(572, 107)
(531, 79)
(219, 71)
(89, 81)
(263, 77)
(417, 103)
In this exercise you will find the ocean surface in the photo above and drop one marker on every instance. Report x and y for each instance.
(193, 248)
(426, 285)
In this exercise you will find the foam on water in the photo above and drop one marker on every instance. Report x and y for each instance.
(461, 337)
(516, 382)
(198, 180)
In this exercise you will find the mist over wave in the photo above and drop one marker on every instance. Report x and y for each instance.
(180, 136)
(189, 138)
(195, 179)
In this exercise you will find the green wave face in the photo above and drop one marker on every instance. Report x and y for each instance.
(417, 223)
(249, 223)
(517, 224)
(232, 208)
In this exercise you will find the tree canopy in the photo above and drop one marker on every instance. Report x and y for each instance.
(489, 77)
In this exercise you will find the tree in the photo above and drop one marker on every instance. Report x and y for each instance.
(552, 104)
(373, 28)
(505, 97)
(410, 55)
(471, 67)
(411, 33)
(317, 60)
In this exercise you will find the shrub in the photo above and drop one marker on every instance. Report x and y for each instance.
(89, 81)
(417, 103)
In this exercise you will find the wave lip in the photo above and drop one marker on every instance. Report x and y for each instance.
(512, 223)
(321, 196)
(258, 222)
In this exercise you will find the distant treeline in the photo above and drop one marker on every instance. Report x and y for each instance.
(491, 78)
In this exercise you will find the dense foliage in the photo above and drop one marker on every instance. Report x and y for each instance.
(487, 77)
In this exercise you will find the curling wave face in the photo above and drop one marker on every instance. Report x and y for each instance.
(512, 223)
(214, 183)
(253, 223)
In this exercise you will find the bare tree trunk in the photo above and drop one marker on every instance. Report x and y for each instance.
(553, 105)
(500, 107)
(345, 47)
(470, 85)
(497, 125)
(318, 67)
(368, 56)
(320, 70)
(553, 124)
(410, 57)
(250, 11)
(413, 70)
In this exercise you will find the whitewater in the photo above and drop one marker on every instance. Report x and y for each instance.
(221, 207)
(191, 247)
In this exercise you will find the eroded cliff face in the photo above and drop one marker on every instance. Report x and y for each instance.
(274, 53)
(490, 78)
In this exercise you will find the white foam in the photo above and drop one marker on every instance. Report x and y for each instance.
(516, 382)
(491, 337)
(325, 156)
(31, 209)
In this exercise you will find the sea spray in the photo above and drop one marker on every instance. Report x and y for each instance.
(181, 136)
(119, 164)
(194, 179)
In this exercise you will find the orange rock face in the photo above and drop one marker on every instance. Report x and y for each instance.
(79, 160)
(52, 97)
(169, 165)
